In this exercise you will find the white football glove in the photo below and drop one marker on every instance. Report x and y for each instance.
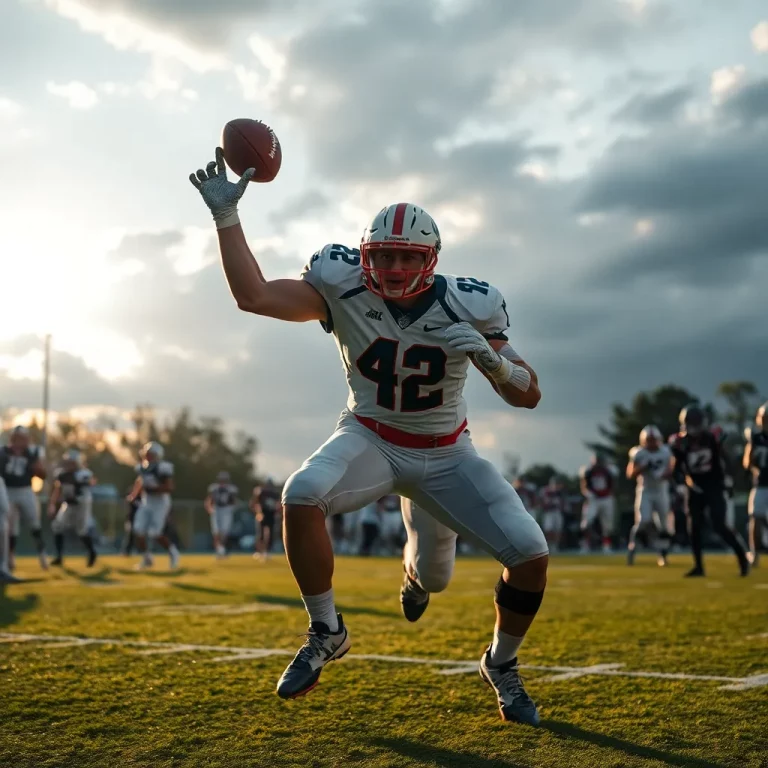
(464, 338)
(220, 195)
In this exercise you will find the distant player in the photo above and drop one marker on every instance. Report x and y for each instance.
(154, 484)
(755, 461)
(70, 504)
(392, 528)
(553, 503)
(265, 505)
(220, 505)
(370, 526)
(19, 463)
(650, 465)
(5, 510)
(598, 483)
(698, 453)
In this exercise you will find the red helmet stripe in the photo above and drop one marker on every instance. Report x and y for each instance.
(397, 224)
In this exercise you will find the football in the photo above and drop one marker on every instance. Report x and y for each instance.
(251, 144)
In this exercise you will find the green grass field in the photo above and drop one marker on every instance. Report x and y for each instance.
(185, 684)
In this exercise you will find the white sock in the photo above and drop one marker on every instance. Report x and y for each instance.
(504, 647)
(173, 550)
(322, 608)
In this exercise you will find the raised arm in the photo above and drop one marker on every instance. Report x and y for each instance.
(293, 300)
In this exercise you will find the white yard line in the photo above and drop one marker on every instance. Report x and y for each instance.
(445, 666)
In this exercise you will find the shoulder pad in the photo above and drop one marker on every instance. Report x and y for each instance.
(165, 468)
(234, 489)
(83, 475)
(478, 303)
(334, 270)
(633, 452)
(211, 487)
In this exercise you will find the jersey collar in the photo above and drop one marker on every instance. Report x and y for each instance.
(406, 317)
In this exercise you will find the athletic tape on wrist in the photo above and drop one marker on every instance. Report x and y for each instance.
(509, 373)
(228, 219)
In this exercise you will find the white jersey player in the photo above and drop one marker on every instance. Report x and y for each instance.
(650, 464)
(70, 504)
(405, 336)
(220, 505)
(154, 483)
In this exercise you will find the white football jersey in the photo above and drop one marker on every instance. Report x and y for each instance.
(399, 368)
(656, 461)
(223, 494)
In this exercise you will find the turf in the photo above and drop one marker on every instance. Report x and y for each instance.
(111, 704)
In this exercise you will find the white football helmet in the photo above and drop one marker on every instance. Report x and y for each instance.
(222, 477)
(406, 227)
(651, 432)
(73, 455)
(152, 451)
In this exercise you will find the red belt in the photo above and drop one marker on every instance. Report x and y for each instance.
(408, 439)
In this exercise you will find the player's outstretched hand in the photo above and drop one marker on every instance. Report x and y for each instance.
(464, 338)
(220, 194)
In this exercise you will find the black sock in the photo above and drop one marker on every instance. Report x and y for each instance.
(58, 541)
(12, 544)
(37, 535)
(88, 541)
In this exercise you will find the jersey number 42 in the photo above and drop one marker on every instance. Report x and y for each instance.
(379, 364)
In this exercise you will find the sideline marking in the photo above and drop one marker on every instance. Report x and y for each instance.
(452, 667)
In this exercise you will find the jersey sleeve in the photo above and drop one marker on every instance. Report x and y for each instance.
(84, 476)
(211, 488)
(334, 272)
(165, 469)
(634, 453)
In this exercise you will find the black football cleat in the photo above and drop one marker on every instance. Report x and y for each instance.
(413, 599)
(320, 647)
(694, 572)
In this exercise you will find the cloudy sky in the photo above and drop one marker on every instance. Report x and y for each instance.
(602, 161)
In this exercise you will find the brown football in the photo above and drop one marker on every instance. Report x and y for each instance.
(251, 144)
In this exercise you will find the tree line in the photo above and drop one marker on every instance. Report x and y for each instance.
(200, 446)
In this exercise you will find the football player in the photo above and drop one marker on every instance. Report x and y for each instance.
(154, 483)
(392, 527)
(406, 336)
(553, 504)
(220, 505)
(70, 504)
(755, 461)
(698, 452)
(265, 505)
(650, 465)
(597, 482)
(19, 463)
(5, 510)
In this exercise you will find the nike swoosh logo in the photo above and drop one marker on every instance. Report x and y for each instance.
(434, 328)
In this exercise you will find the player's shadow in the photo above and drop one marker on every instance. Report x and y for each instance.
(11, 608)
(162, 574)
(446, 758)
(574, 732)
(102, 576)
(296, 602)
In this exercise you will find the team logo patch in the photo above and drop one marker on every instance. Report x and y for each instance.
(374, 314)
